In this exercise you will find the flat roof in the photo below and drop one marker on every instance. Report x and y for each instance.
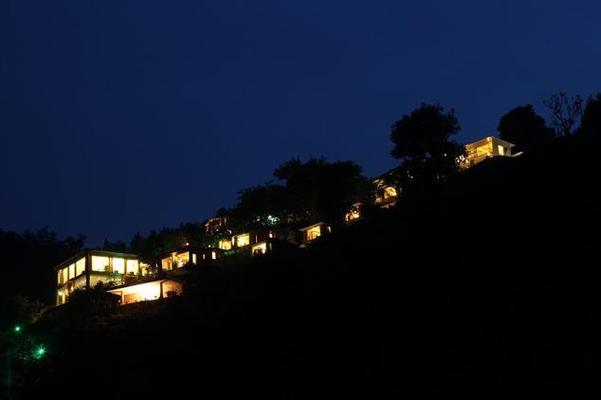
(94, 252)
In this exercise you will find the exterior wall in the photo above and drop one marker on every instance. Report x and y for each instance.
(479, 151)
(90, 267)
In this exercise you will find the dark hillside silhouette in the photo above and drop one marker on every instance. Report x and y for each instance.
(485, 286)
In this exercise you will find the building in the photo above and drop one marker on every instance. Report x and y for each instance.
(312, 232)
(483, 149)
(354, 213)
(179, 257)
(90, 267)
(386, 194)
(145, 291)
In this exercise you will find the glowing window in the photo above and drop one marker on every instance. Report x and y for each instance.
(167, 264)
(132, 267)
(80, 266)
(182, 259)
(501, 150)
(144, 268)
(243, 240)
(213, 255)
(100, 263)
(389, 192)
(194, 258)
(59, 277)
(259, 249)
(314, 233)
(119, 265)
(225, 244)
(65, 274)
(483, 150)
(71, 271)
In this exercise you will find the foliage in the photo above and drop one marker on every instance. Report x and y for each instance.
(591, 117)
(306, 192)
(422, 141)
(28, 259)
(93, 300)
(565, 111)
(524, 128)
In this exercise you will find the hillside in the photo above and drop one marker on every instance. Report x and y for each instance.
(485, 287)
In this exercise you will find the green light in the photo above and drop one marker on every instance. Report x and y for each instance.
(18, 328)
(39, 352)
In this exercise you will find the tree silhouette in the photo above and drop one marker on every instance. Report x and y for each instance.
(591, 117)
(524, 128)
(422, 143)
(565, 111)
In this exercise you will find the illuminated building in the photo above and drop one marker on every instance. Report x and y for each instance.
(187, 255)
(386, 194)
(485, 148)
(145, 291)
(314, 231)
(89, 267)
(353, 213)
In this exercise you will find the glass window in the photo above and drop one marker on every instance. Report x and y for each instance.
(80, 266)
(167, 264)
(100, 263)
(243, 240)
(501, 150)
(132, 267)
(314, 233)
(71, 271)
(119, 265)
(213, 255)
(65, 274)
(59, 277)
(194, 258)
(182, 259)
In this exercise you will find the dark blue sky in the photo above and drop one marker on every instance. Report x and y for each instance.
(124, 116)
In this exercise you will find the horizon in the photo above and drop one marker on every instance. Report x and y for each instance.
(121, 119)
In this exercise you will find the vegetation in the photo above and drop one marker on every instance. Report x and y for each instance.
(524, 128)
(482, 283)
(422, 142)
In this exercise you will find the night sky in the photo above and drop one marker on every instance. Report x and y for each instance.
(119, 116)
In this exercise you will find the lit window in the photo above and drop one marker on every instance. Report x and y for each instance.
(182, 259)
(389, 192)
(167, 264)
(59, 277)
(243, 240)
(501, 150)
(132, 267)
(213, 255)
(71, 271)
(194, 258)
(314, 233)
(119, 265)
(65, 274)
(259, 249)
(100, 263)
(80, 266)
(225, 244)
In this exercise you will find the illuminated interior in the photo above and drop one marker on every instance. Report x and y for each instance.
(119, 265)
(353, 214)
(242, 240)
(167, 263)
(133, 267)
(80, 266)
(148, 291)
(313, 233)
(260, 248)
(100, 263)
(389, 192)
(225, 244)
